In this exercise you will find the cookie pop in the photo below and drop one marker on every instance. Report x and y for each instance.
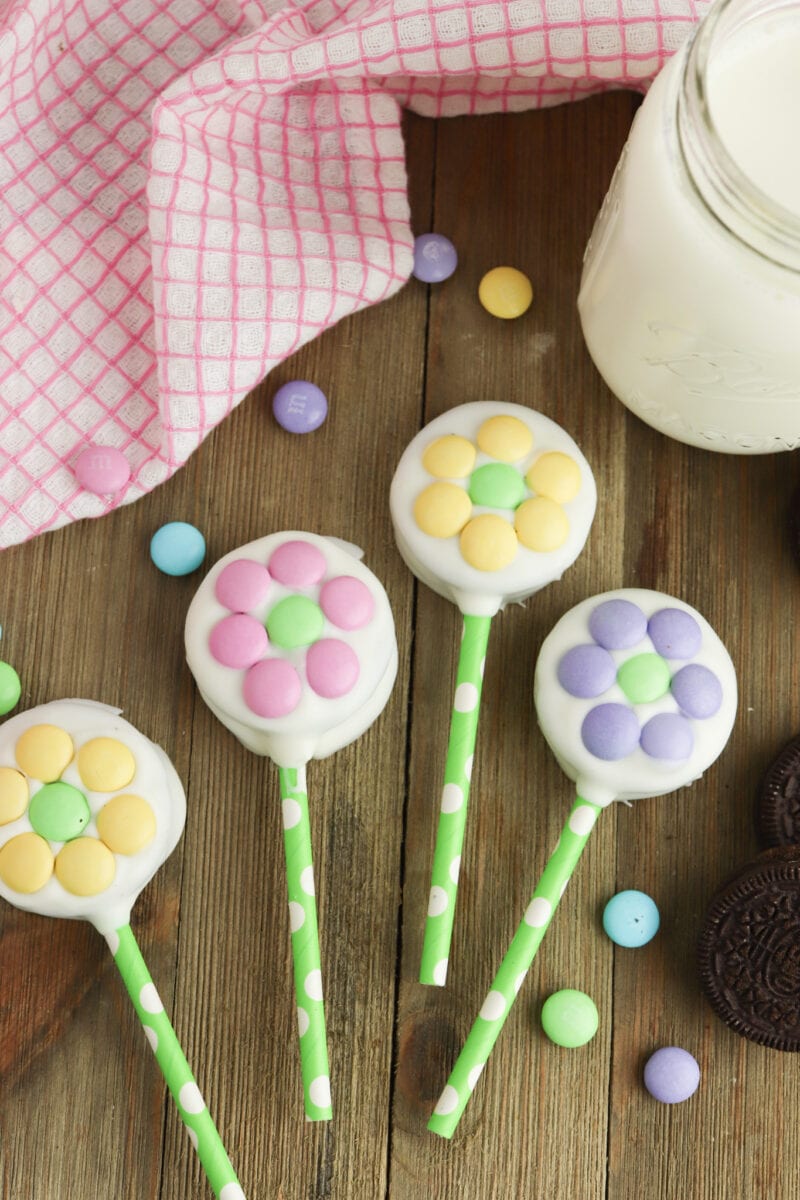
(89, 810)
(490, 502)
(636, 696)
(291, 642)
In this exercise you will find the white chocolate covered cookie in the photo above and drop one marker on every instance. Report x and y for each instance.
(491, 502)
(89, 810)
(635, 694)
(292, 643)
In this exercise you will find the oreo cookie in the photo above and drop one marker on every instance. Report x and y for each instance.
(749, 950)
(778, 806)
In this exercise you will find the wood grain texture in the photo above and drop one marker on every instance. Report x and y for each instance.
(83, 1110)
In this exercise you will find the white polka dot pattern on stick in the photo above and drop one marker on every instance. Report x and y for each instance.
(583, 819)
(437, 902)
(452, 798)
(493, 1006)
(447, 1101)
(291, 814)
(440, 973)
(320, 1091)
(313, 985)
(150, 999)
(296, 916)
(466, 697)
(190, 1099)
(538, 912)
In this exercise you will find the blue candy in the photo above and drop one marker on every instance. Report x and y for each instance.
(631, 918)
(177, 548)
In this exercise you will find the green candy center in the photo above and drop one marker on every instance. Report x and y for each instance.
(497, 485)
(295, 621)
(59, 812)
(644, 678)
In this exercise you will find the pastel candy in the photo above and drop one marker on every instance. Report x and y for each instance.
(668, 736)
(541, 524)
(449, 457)
(442, 510)
(505, 438)
(106, 764)
(295, 621)
(556, 476)
(644, 678)
(610, 731)
(347, 602)
(617, 624)
(272, 688)
(488, 543)
(297, 564)
(44, 751)
(238, 641)
(587, 671)
(331, 668)
(697, 690)
(59, 812)
(26, 863)
(497, 485)
(242, 585)
(85, 867)
(126, 824)
(13, 794)
(674, 633)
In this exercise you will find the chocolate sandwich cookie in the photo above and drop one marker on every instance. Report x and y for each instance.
(749, 950)
(778, 802)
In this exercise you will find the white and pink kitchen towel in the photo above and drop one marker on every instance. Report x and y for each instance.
(190, 190)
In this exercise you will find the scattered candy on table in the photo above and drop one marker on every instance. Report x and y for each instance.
(570, 1018)
(631, 918)
(299, 406)
(505, 292)
(671, 1075)
(10, 688)
(177, 548)
(102, 469)
(435, 258)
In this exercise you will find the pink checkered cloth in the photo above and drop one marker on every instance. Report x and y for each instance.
(190, 190)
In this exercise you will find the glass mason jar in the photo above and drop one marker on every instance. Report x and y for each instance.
(690, 295)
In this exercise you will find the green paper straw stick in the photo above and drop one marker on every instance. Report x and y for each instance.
(453, 811)
(305, 945)
(173, 1064)
(514, 967)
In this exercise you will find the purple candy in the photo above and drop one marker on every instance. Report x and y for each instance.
(675, 633)
(697, 690)
(668, 736)
(617, 624)
(299, 406)
(610, 731)
(435, 258)
(586, 671)
(671, 1075)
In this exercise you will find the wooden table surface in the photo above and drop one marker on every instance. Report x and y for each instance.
(84, 1113)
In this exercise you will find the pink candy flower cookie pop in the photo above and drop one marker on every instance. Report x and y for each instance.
(490, 502)
(292, 644)
(636, 696)
(89, 810)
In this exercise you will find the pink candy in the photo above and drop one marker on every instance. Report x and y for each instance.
(347, 602)
(238, 641)
(103, 470)
(331, 668)
(242, 585)
(297, 564)
(272, 688)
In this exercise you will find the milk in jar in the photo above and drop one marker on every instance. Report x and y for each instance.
(690, 296)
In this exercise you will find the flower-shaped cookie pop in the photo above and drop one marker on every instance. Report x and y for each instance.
(490, 502)
(89, 810)
(291, 641)
(636, 696)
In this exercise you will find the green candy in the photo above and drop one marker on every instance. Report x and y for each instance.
(569, 1018)
(295, 621)
(497, 485)
(644, 678)
(59, 812)
(10, 688)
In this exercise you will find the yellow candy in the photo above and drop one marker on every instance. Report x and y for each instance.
(506, 438)
(488, 543)
(541, 524)
(442, 509)
(505, 292)
(106, 765)
(449, 457)
(13, 794)
(556, 476)
(26, 863)
(43, 751)
(85, 867)
(126, 824)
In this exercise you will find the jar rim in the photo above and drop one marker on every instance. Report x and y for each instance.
(746, 210)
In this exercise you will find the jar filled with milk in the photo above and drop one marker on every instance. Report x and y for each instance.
(690, 296)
